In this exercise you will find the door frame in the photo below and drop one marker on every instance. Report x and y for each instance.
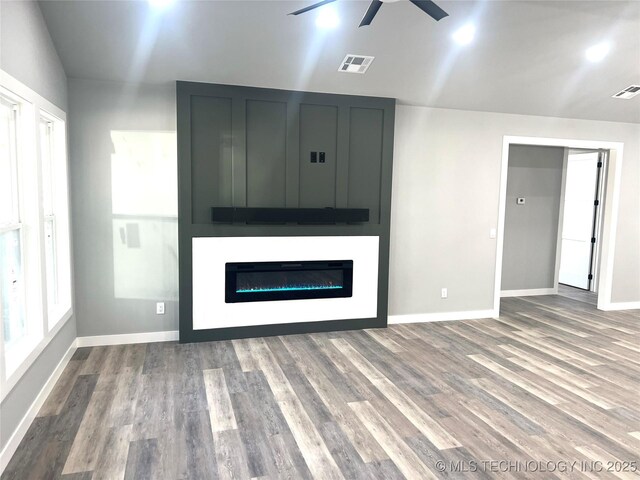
(611, 200)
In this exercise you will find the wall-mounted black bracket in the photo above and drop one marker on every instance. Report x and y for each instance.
(307, 216)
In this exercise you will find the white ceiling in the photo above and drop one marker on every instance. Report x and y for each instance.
(527, 58)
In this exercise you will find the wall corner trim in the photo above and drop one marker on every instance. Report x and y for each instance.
(441, 316)
(19, 433)
(529, 292)
(127, 338)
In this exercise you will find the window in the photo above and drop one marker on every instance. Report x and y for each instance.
(35, 260)
(46, 154)
(12, 297)
(20, 306)
(55, 225)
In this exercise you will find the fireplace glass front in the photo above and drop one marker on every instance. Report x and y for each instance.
(268, 281)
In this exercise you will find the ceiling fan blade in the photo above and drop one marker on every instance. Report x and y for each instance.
(374, 6)
(311, 7)
(430, 9)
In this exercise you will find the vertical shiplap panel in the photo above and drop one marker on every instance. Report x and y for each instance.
(342, 160)
(318, 133)
(365, 160)
(266, 127)
(211, 155)
(293, 154)
(239, 150)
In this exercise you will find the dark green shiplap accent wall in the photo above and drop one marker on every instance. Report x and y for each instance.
(244, 146)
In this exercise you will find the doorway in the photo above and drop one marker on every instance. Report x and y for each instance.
(581, 218)
(609, 193)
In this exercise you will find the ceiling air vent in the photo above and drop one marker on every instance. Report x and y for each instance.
(355, 63)
(628, 92)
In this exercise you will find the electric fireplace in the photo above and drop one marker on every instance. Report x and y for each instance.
(268, 281)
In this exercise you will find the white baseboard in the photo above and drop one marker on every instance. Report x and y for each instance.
(620, 306)
(441, 316)
(127, 338)
(19, 433)
(530, 292)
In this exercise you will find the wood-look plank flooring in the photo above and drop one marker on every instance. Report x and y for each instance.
(551, 380)
(578, 294)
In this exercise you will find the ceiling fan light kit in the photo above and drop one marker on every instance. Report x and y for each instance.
(427, 6)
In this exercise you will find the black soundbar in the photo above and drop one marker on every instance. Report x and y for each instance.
(308, 216)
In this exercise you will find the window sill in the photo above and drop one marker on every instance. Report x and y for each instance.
(60, 314)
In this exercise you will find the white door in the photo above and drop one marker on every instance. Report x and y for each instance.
(578, 219)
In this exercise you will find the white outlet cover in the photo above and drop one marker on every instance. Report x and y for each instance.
(160, 308)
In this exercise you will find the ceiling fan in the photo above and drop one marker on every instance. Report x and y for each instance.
(427, 6)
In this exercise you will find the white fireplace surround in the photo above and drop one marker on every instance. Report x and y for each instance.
(211, 253)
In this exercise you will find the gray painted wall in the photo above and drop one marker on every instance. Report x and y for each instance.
(124, 197)
(27, 53)
(626, 271)
(531, 230)
(445, 200)
(446, 181)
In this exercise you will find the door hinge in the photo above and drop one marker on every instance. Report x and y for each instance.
(596, 202)
(590, 277)
(593, 239)
(599, 164)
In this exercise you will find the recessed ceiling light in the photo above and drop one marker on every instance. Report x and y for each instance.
(327, 17)
(464, 35)
(597, 52)
(160, 4)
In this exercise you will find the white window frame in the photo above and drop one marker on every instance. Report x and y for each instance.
(32, 108)
(59, 216)
(13, 356)
(15, 224)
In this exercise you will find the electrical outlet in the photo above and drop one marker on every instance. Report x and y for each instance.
(444, 293)
(492, 233)
(160, 308)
